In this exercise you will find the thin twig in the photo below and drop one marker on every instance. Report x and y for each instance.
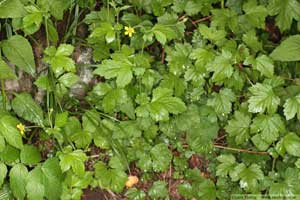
(163, 56)
(3, 94)
(94, 156)
(170, 179)
(220, 138)
(202, 19)
(181, 18)
(241, 150)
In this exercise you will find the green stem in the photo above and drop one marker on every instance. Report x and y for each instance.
(75, 22)
(222, 4)
(47, 33)
(8, 29)
(107, 9)
(273, 164)
(143, 46)
(73, 26)
(69, 16)
(118, 34)
(3, 94)
(240, 150)
(110, 117)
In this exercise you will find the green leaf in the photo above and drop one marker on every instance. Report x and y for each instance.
(61, 119)
(174, 83)
(227, 165)
(255, 14)
(8, 128)
(163, 33)
(6, 73)
(161, 157)
(82, 139)
(222, 101)
(72, 126)
(52, 178)
(161, 105)
(171, 20)
(113, 179)
(251, 40)
(68, 79)
(286, 11)
(34, 187)
(221, 66)
(288, 50)
(57, 8)
(30, 155)
(32, 21)
(135, 194)
(2, 143)
(58, 58)
(144, 162)
(10, 155)
(207, 190)
(28, 109)
(190, 7)
(43, 83)
(291, 143)
(292, 107)
(160, 37)
(58, 63)
(12, 9)
(115, 162)
(269, 126)
(249, 176)
(18, 50)
(178, 58)
(158, 190)
(263, 64)
(287, 187)
(102, 175)
(64, 50)
(202, 130)
(259, 142)
(119, 69)
(127, 129)
(186, 190)
(3, 173)
(53, 35)
(104, 30)
(263, 99)
(74, 160)
(118, 179)
(238, 127)
(211, 33)
(18, 175)
(118, 100)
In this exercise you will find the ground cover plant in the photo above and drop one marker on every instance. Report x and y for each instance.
(149, 99)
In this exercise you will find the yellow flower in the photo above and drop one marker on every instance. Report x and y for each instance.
(129, 31)
(21, 128)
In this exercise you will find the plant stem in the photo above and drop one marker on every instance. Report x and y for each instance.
(3, 94)
(241, 150)
(47, 33)
(75, 22)
(110, 117)
(222, 4)
(273, 164)
(107, 9)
